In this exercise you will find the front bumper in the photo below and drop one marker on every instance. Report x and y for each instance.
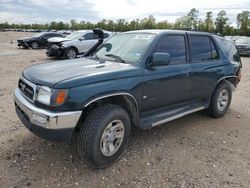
(247, 53)
(244, 51)
(55, 126)
(53, 52)
(23, 44)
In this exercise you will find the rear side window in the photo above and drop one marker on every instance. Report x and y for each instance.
(202, 49)
(229, 48)
(175, 46)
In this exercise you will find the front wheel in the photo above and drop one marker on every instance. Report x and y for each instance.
(221, 100)
(104, 135)
(34, 45)
(71, 53)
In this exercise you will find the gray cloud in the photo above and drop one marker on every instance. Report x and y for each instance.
(47, 11)
(44, 11)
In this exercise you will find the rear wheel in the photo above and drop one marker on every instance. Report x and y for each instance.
(104, 135)
(34, 45)
(221, 100)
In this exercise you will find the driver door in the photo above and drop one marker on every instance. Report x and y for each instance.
(169, 84)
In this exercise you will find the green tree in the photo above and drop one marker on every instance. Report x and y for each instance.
(209, 23)
(148, 23)
(183, 22)
(193, 16)
(243, 21)
(221, 22)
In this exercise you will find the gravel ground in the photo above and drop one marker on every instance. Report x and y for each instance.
(194, 151)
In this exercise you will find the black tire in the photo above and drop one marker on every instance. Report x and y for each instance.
(71, 53)
(34, 45)
(90, 135)
(214, 108)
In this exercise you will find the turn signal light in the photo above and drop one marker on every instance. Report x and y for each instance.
(61, 97)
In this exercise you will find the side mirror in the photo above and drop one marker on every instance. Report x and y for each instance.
(160, 59)
(82, 38)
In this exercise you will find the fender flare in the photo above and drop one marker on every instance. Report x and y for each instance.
(111, 95)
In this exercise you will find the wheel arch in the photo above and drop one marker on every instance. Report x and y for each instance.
(125, 100)
(231, 80)
(73, 48)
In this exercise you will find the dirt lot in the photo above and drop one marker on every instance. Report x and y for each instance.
(194, 151)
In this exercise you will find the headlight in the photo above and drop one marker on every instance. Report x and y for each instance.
(44, 95)
(53, 97)
(54, 46)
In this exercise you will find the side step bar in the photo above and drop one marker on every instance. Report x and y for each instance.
(177, 116)
(164, 115)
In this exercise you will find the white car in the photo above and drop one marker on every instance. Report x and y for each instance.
(74, 44)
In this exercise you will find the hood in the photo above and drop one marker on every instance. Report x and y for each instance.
(72, 73)
(25, 38)
(57, 39)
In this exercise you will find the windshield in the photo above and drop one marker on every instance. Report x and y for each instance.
(128, 47)
(75, 35)
(38, 34)
(243, 40)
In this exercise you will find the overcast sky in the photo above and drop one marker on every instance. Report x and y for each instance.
(45, 11)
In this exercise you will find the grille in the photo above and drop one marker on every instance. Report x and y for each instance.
(26, 89)
(241, 47)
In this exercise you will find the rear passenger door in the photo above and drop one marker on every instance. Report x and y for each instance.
(207, 66)
(168, 85)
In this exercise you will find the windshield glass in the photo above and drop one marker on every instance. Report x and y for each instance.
(75, 35)
(243, 40)
(128, 46)
(38, 34)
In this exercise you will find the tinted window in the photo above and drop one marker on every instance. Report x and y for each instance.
(56, 35)
(106, 35)
(202, 49)
(229, 48)
(175, 46)
(89, 36)
(95, 36)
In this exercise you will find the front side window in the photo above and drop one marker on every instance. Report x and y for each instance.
(202, 49)
(128, 46)
(89, 36)
(175, 46)
(75, 35)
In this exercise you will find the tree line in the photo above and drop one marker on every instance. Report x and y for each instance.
(191, 21)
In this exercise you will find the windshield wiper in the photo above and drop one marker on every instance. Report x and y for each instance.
(116, 57)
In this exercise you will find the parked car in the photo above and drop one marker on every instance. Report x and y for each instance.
(137, 78)
(243, 45)
(74, 44)
(38, 40)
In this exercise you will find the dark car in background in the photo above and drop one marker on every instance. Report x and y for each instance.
(243, 45)
(38, 40)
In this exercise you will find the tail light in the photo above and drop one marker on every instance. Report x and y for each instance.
(238, 74)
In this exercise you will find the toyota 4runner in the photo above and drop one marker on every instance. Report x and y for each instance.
(138, 78)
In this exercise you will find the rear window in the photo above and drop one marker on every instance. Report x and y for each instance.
(228, 47)
(202, 48)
